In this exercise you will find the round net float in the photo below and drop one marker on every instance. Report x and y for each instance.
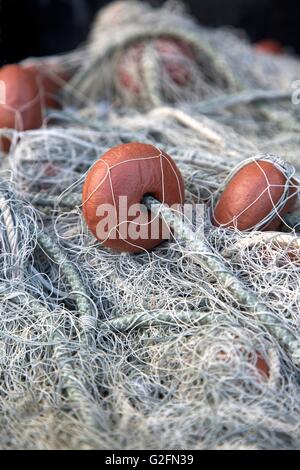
(256, 196)
(21, 107)
(50, 80)
(113, 191)
(170, 58)
(269, 46)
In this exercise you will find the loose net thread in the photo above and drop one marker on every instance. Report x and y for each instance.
(51, 160)
(161, 349)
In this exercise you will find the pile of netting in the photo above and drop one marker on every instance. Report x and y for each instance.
(195, 344)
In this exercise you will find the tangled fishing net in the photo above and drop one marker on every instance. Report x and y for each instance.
(195, 344)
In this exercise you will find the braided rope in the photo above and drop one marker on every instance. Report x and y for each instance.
(150, 71)
(72, 275)
(9, 224)
(145, 319)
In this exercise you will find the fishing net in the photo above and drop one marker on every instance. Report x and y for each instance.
(195, 344)
(149, 57)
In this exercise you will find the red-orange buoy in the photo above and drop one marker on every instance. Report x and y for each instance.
(114, 189)
(251, 195)
(21, 107)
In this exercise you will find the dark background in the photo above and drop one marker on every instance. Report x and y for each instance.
(42, 27)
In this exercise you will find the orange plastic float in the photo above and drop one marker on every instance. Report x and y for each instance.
(113, 191)
(21, 108)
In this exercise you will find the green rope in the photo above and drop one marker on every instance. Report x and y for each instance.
(72, 275)
(158, 317)
(77, 392)
(48, 203)
(151, 74)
